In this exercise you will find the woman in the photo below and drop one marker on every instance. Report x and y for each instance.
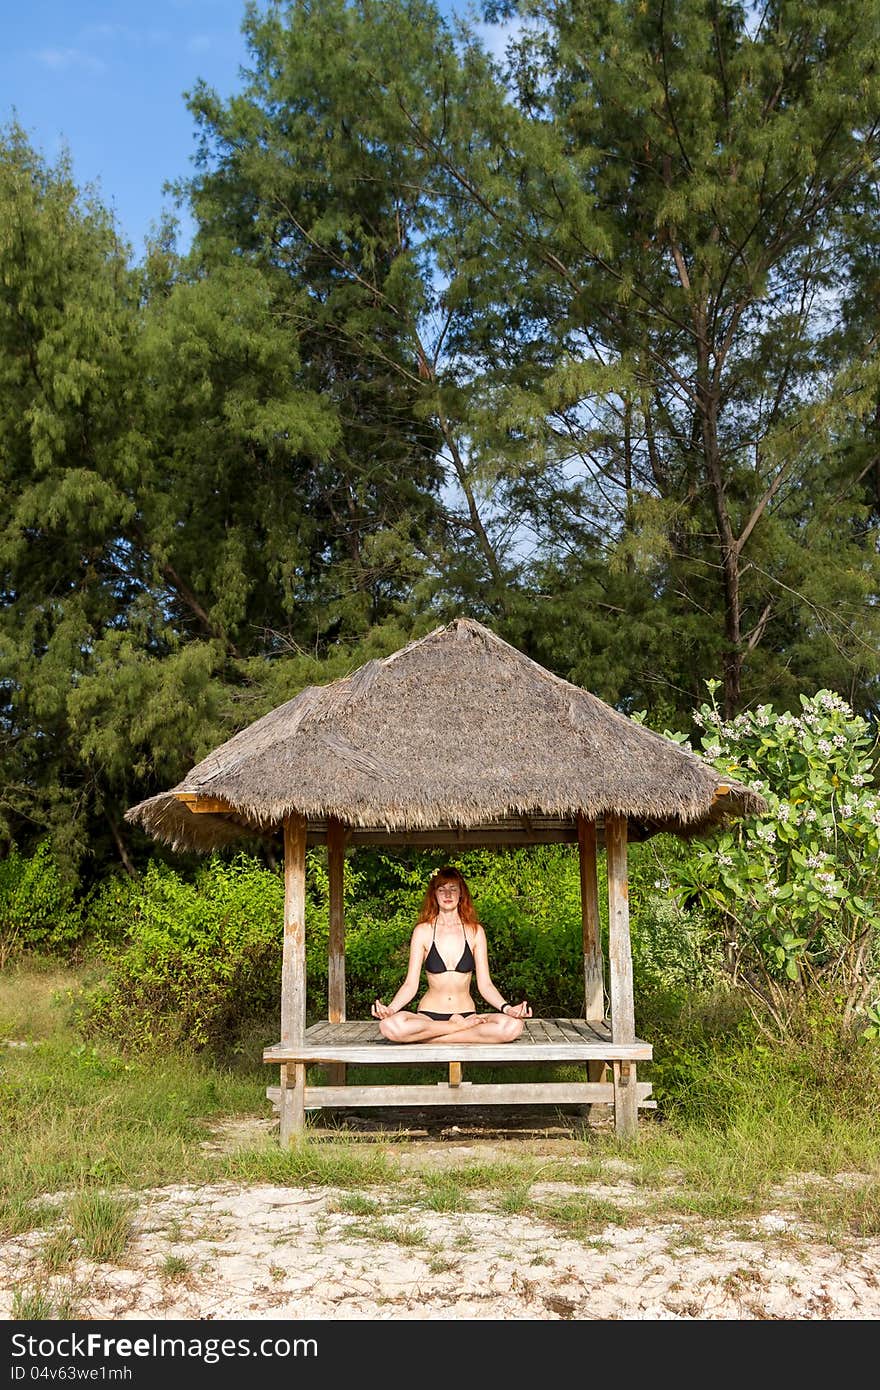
(448, 931)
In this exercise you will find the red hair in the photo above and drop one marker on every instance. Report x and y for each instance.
(430, 906)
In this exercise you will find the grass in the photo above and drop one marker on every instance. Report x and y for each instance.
(34, 1304)
(101, 1224)
(58, 1251)
(737, 1124)
(408, 1237)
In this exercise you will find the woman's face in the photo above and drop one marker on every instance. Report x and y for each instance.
(448, 894)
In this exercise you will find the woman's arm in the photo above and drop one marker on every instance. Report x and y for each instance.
(484, 980)
(410, 987)
(490, 992)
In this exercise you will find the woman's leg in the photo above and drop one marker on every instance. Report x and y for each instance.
(487, 1028)
(406, 1027)
(415, 1027)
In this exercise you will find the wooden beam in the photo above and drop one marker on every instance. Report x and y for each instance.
(623, 1027)
(203, 805)
(442, 1094)
(293, 966)
(440, 839)
(336, 945)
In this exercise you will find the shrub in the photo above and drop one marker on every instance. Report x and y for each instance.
(38, 911)
(797, 890)
(200, 958)
(192, 963)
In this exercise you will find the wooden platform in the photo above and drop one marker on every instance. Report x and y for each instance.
(542, 1040)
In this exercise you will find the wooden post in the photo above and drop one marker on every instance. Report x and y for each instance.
(293, 974)
(336, 946)
(594, 966)
(623, 1025)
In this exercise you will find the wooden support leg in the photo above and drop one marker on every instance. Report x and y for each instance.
(455, 1073)
(594, 965)
(293, 1095)
(596, 1071)
(626, 1110)
(626, 1103)
(336, 1074)
(293, 977)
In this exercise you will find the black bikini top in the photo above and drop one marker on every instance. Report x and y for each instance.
(436, 965)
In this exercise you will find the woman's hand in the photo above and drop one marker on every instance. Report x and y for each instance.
(380, 1010)
(522, 1010)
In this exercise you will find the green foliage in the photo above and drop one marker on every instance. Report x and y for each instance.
(200, 959)
(195, 963)
(38, 911)
(798, 889)
(676, 948)
(528, 902)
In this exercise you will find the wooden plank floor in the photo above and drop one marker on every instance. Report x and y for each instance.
(542, 1040)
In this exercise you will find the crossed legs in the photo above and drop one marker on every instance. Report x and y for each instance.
(407, 1027)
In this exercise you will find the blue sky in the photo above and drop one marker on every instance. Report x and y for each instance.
(105, 79)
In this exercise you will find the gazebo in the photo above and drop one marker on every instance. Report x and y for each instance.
(456, 740)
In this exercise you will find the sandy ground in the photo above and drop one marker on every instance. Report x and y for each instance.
(260, 1252)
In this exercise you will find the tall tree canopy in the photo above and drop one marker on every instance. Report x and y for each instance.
(623, 265)
(682, 194)
(567, 319)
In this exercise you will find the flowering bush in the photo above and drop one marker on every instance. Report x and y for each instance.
(797, 889)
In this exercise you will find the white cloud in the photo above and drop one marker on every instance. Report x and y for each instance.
(61, 58)
(126, 34)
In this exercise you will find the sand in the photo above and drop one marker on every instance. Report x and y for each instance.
(235, 1251)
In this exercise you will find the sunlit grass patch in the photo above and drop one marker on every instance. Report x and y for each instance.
(442, 1192)
(36, 997)
(715, 1204)
(18, 1215)
(58, 1251)
(409, 1237)
(309, 1164)
(852, 1209)
(101, 1224)
(35, 1303)
(516, 1199)
(582, 1215)
(354, 1204)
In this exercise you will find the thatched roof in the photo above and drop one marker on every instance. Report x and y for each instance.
(456, 731)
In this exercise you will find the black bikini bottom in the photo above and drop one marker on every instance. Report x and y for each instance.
(443, 1018)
